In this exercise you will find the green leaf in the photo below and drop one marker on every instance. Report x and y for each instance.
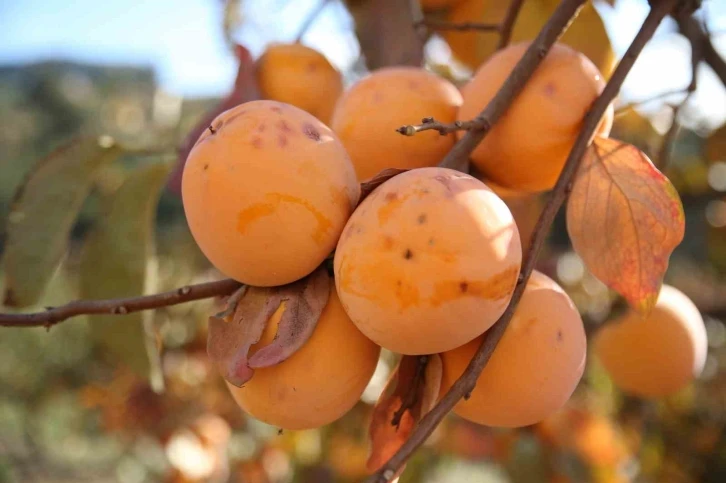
(45, 207)
(116, 263)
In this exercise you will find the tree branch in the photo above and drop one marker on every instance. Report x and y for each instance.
(690, 28)
(120, 306)
(466, 383)
(458, 26)
(508, 23)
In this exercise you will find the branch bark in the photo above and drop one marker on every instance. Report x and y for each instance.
(508, 23)
(120, 306)
(466, 383)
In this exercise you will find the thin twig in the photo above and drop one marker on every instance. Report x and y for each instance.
(458, 26)
(310, 20)
(669, 140)
(480, 125)
(510, 18)
(465, 384)
(120, 306)
(690, 28)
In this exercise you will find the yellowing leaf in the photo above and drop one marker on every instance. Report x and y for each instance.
(45, 208)
(114, 264)
(624, 219)
(410, 393)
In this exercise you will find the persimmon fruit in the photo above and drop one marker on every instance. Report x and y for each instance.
(267, 190)
(428, 261)
(535, 367)
(658, 355)
(317, 384)
(301, 76)
(528, 146)
(368, 114)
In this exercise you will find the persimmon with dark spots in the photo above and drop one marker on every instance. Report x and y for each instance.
(657, 355)
(528, 146)
(368, 114)
(317, 384)
(535, 367)
(428, 261)
(267, 190)
(301, 76)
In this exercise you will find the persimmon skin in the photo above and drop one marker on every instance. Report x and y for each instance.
(320, 382)
(535, 367)
(367, 115)
(528, 146)
(658, 355)
(428, 261)
(267, 191)
(300, 76)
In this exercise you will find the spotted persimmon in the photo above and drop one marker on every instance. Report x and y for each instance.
(301, 76)
(428, 261)
(368, 114)
(267, 190)
(657, 355)
(317, 384)
(535, 367)
(528, 146)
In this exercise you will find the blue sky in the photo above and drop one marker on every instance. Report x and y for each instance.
(182, 40)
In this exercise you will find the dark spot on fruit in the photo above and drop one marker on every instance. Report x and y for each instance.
(398, 283)
(276, 109)
(464, 287)
(283, 126)
(408, 254)
(387, 242)
(206, 167)
(310, 131)
(281, 141)
(261, 128)
(257, 142)
(559, 336)
(311, 67)
(550, 89)
(421, 218)
(392, 196)
(212, 130)
(431, 242)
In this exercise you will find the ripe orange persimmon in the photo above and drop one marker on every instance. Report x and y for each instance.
(529, 144)
(534, 369)
(428, 261)
(525, 207)
(301, 76)
(367, 116)
(317, 384)
(267, 190)
(657, 355)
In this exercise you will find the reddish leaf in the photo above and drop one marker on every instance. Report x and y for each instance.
(244, 90)
(231, 337)
(367, 186)
(410, 393)
(625, 219)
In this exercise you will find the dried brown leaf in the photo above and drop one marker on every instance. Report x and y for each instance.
(410, 393)
(624, 219)
(230, 338)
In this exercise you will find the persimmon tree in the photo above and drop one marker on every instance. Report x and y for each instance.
(624, 219)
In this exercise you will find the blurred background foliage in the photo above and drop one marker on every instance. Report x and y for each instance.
(70, 410)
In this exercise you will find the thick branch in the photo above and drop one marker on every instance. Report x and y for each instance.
(459, 26)
(122, 306)
(465, 384)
